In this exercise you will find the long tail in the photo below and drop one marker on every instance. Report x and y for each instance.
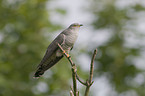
(38, 73)
(41, 69)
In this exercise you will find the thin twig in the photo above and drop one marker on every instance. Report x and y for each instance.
(74, 80)
(71, 92)
(75, 92)
(78, 78)
(71, 62)
(92, 66)
(90, 82)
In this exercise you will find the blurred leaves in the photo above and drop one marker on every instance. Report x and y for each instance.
(114, 18)
(116, 59)
(24, 24)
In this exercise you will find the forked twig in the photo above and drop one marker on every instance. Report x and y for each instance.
(88, 83)
(71, 62)
(75, 92)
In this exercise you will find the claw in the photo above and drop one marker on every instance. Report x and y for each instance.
(68, 55)
(64, 51)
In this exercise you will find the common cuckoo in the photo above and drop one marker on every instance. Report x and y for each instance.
(53, 54)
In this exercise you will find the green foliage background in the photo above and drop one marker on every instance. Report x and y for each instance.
(25, 28)
(116, 57)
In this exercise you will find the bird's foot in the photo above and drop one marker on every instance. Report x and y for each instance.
(63, 51)
(67, 55)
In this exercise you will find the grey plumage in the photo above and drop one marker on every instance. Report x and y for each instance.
(53, 54)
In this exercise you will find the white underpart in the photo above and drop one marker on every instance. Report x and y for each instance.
(69, 41)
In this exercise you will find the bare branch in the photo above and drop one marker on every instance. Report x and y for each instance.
(74, 79)
(71, 92)
(71, 62)
(78, 78)
(75, 92)
(90, 82)
(92, 66)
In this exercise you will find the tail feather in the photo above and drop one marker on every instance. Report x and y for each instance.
(38, 73)
(41, 69)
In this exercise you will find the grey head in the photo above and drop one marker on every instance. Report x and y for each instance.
(75, 25)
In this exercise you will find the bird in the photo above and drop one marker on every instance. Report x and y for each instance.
(53, 54)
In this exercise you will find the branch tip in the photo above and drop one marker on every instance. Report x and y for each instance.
(88, 83)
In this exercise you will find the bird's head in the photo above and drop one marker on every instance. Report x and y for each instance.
(75, 25)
